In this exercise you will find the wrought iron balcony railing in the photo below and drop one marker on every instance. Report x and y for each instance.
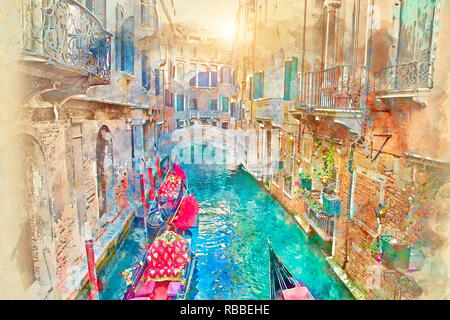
(323, 224)
(67, 34)
(409, 76)
(335, 88)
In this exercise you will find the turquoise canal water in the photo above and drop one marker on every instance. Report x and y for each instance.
(236, 218)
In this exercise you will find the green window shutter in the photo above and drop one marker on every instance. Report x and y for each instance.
(287, 80)
(225, 104)
(258, 85)
(180, 102)
(294, 70)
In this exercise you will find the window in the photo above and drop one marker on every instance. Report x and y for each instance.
(225, 102)
(214, 79)
(90, 5)
(258, 85)
(416, 30)
(145, 13)
(212, 105)
(193, 104)
(145, 71)
(290, 70)
(127, 44)
(193, 75)
(118, 37)
(180, 102)
(157, 87)
(287, 80)
(97, 7)
(225, 75)
(203, 76)
(167, 98)
(180, 73)
(213, 76)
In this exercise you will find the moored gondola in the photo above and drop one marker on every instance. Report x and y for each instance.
(165, 271)
(283, 285)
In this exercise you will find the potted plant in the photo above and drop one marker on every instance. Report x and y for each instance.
(305, 181)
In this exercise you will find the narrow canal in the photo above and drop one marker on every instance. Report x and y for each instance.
(236, 217)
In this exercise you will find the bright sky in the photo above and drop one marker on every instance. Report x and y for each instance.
(215, 15)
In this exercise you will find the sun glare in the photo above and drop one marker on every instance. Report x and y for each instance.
(228, 31)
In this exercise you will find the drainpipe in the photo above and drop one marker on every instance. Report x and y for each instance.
(350, 169)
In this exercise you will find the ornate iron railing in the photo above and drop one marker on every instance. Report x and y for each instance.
(407, 76)
(68, 34)
(337, 87)
(322, 223)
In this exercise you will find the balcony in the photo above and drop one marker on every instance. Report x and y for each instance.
(322, 224)
(336, 89)
(404, 78)
(65, 39)
(202, 114)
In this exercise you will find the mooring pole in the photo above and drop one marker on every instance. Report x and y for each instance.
(143, 192)
(93, 294)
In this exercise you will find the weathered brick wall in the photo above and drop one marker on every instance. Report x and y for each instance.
(295, 205)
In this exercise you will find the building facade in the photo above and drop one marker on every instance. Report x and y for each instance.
(94, 75)
(363, 155)
(204, 88)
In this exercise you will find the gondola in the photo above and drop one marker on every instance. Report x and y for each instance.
(283, 285)
(174, 284)
(162, 209)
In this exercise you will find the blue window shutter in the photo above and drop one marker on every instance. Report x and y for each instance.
(128, 45)
(145, 72)
(203, 79)
(157, 88)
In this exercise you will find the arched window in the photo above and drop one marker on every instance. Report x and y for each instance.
(105, 170)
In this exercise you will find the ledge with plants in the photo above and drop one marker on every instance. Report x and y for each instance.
(313, 203)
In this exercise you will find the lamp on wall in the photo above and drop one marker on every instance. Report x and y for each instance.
(128, 123)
